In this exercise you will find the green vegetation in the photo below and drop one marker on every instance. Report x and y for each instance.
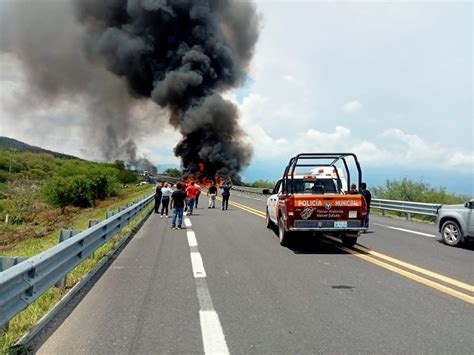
(26, 319)
(41, 194)
(173, 172)
(10, 143)
(266, 184)
(408, 190)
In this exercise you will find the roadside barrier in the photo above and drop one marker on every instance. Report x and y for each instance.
(23, 283)
(407, 207)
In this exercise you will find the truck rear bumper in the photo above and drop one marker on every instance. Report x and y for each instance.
(336, 230)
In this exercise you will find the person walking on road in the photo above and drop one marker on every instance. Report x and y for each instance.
(212, 193)
(198, 193)
(191, 192)
(368, 198)
(166, 193)
(158, 196)
(225, 195)
(178, 200)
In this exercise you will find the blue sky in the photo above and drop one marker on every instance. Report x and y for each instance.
(390, 81)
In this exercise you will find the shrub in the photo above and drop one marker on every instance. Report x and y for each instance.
(408, 190)
(58, 192)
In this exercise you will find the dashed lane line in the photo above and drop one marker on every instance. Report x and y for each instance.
(213, 337)
(406, 230)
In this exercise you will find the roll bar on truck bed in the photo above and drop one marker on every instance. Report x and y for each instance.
(301, 160)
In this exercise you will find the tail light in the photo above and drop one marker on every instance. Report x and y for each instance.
(364, 206)
(290, 205)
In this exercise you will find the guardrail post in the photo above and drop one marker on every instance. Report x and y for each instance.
(65, 234)
(408, 216)
(93, 222)
(383, 213)
(109, 214)
(7, 262)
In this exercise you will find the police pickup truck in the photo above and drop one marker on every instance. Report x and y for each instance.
(317, 201)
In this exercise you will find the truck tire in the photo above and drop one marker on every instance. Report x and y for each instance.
(451, 233)
(283, 235)
(269, 222)
(348, 241)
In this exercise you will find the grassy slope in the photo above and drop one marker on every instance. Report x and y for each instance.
(26, 319)
(78, 220)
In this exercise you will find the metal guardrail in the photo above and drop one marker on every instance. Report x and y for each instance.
(426, 209)
(250, 190)
(24, 282)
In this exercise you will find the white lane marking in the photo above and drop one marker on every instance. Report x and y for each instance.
(187, 222)
(198, 266)
(406, 230)
(212, 333)
(249, 197)
(213, 337)
(192, 239)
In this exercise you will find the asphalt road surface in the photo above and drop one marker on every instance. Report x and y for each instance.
(225, 285)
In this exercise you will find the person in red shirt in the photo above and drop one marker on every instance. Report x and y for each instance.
(197, 195)
(191, 192)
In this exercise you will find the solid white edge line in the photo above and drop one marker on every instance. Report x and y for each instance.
(187, 222)
(212, 334)
(406, 230)
(197, 264)
(191, 239)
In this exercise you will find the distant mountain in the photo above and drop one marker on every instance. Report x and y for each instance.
(10, 143)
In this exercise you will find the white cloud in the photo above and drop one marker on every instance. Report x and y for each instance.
(351, 106)
(391, 147)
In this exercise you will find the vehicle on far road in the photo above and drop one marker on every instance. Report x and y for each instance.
(456, 223)
(316, 201)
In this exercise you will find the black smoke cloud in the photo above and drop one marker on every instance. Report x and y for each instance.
(115, 56)
(51, 47)
(182, 54)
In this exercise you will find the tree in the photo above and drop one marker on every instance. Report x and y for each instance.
(173, 172)
(119, 164)
(57, 192)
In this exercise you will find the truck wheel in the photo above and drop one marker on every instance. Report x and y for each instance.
(451, 233)
(348, 241)
(282, 234)
(268, 220)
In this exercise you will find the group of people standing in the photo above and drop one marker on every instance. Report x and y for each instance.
(185, 199)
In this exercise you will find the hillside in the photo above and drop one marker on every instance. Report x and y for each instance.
(10, 143)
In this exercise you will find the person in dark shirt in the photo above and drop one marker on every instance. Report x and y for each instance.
(178, 200)
(225, 195)
(212, 193)
(158, 195)
(353, 190)
(368, 198)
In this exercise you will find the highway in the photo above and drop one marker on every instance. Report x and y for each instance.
(225, 285)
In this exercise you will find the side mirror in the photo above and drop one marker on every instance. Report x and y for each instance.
(468, 204)
(266, 191)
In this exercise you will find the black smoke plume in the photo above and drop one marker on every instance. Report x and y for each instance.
(183, 54)
(113, 56)
(55, 67)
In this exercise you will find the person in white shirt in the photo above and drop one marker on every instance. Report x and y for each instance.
(166, 192)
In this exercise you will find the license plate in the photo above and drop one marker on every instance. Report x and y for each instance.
(340, 224)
